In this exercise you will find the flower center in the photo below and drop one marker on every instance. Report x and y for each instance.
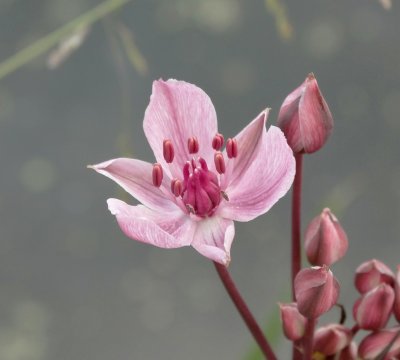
(199, 190)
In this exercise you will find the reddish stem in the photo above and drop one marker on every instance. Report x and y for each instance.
(296, 211)
(244, 311)
(296, 235)
(308, 339)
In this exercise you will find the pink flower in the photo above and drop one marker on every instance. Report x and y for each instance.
(316, 290)
(325, 241)
(370, 274)
(373, 309)
(305, 117)
(331, 339)
(374, 344)
(293, 323)
(194, 192)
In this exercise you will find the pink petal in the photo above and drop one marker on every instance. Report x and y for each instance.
(261, 174)
(178, 111)
(171, 230)
(135, 177)
(213, 239)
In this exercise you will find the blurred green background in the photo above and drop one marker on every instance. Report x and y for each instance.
(72, 286)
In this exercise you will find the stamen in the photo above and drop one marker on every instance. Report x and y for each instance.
(219, 162)
(193, 145)
(190, 208)
(176, 187)
(218, 141)
(168, 151)
(203, 164)
(186, 171)
(224, 195)
(157, 174)
(231, 148)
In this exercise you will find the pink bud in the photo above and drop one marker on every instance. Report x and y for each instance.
(396, 306)
(292, 321)
(157, 174)
(176, 187)
(348, 353)
(305, 118)
(193, 145)
(219, 162)
(217, 142)
(331, 339)
(372, 273)
(325, 240)
(316, 290)
(231, 148)
(373, 309)
(168, 151)
(374, 344)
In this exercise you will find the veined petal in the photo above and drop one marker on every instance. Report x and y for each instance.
(165, 230)
(267, 176)
(178, 111)
(213, 239)
(135, 177)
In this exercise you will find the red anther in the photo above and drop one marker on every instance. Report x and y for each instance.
(218, 141)
(168, 151)
(176, 187)
(193, 145)
(231, 148)
(157, 174)
(219, 162)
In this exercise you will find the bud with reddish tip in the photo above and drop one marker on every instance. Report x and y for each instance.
(293, 322)
(325, 240)
(348, 353)
(396, 305)
(157, 174)
(231, 148)
(372, 273)
(331, 339)
(373, 309)
(305, 117)
(168, 151)
(376, 343)
(193, 145)
(219, 162)
(316, 291)
(217, 142)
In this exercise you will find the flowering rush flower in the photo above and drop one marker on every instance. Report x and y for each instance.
(194, 191)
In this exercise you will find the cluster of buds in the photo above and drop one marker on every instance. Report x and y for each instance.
(317, 292)
(380, 298)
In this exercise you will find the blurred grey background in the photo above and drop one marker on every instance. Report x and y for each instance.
(72, 286)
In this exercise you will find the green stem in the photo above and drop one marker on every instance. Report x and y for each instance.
(44, 44)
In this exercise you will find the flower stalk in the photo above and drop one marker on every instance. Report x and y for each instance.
(309, 339)
(296, 218)
(244, 311)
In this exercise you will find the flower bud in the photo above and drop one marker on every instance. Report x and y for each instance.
(325, 240)
(376, 343)
(316, 291)
(331, 339)
(372, 273)
(396, 305)
(373, 309)
(349, 352)
(305, 118)
(293, 322)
